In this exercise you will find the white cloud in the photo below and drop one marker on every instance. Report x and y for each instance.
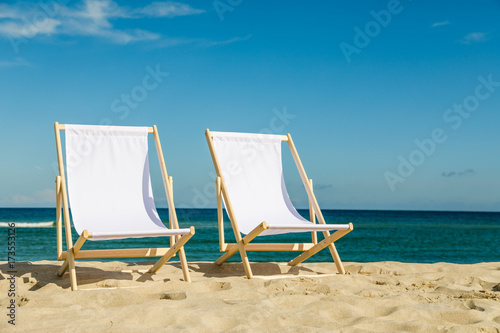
(19, 29)
(475, 37)
(438, 24)
(37, 198)
(88, 18)
(6, 11)
(167, 9)
(99, 11)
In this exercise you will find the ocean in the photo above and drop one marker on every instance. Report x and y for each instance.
(404, 236)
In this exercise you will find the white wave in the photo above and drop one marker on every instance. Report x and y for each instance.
(48, 224)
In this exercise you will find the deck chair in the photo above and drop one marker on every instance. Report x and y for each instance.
(109, 189)
(250, 183)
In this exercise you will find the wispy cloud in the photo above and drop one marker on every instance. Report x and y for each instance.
(466, 172)
(12, 11)
(223, 42)
(18, 62)
(88, 18)
(167, 9)
(438, 24)
(36, 198)
(20, 29)
(199, 42)
(476, 37)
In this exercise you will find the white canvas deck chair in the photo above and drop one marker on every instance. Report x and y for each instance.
(250, 183)
(109, 188)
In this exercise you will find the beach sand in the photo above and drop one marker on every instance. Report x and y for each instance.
(372, 297)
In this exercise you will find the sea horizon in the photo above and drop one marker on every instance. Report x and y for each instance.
(304, 209)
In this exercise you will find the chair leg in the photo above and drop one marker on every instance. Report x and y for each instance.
(70, 259)
(228, 254)
(184, 265)
(72, 270)
(69, 263)
(240, 246)
(246, 262)
(336, 258)
(63, 268)
(170, 253)
(334, 254)
(321, 245)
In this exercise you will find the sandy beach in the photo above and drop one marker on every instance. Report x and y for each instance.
(372, 297)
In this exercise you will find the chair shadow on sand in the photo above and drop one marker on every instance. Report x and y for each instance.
(236, 269)
(43, 274)
(40, 274)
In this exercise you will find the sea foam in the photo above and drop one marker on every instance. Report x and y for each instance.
(48, 224)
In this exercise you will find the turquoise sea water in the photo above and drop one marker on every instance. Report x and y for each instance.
(406, 236)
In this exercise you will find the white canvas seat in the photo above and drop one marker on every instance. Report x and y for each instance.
(109, 190)
(251, 185)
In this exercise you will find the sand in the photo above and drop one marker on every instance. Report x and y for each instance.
(372, 297)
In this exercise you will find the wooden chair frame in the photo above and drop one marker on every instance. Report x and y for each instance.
(243, 243)
(73, 251)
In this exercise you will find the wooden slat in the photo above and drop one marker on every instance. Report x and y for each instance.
(170, 199)
(262, 247)
(220, 216)
(58, 216)
(283, 137)
(305, 180)
(254, 233)
(119, 253)
(312, 218)
(67, 224)
(314, 202)
(81, 240)
(170, 219)
(63, 128)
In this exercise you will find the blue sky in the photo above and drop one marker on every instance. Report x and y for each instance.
(391, 104)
